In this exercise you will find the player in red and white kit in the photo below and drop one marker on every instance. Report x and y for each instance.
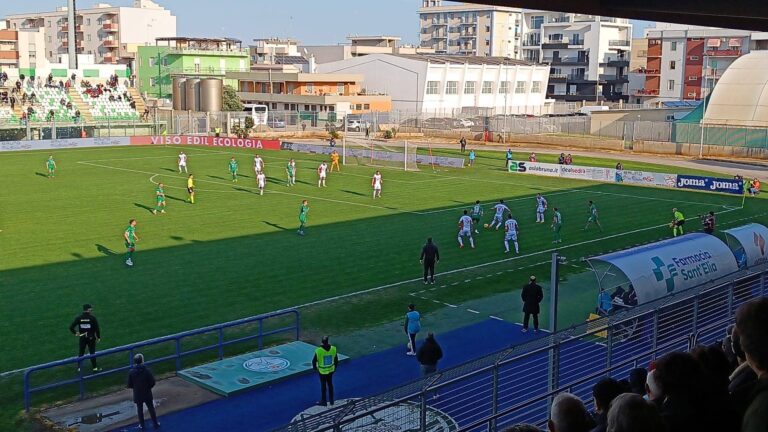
(322, 172)
(465, 229)
(376, 182)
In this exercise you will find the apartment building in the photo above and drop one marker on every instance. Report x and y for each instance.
(685, 62)
(22, 51)
(323, 94)
(110, 34)
(470, 29)
(157, 65)
(589, 55)
(451, 85)
(357, 46)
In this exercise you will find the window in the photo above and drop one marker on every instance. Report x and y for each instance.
(452, 87)
(693, 58)
(87, 21)
(673, 46)
(487, 87)
(469, 87)
(359, 107)
(520, 87)
(152, 81)
(49, 23)
(671, 85)
(504, 87)
(487, 29)
(693, 78)
(50, 39)
(310, 88)
(340, 89)
(274, 105)
(537, 21)
(672, 64)
(432, 87)
(89, 37)
(366, 106)
(286, 107)
(536, 87)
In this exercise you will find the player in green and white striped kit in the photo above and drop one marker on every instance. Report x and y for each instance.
(476, 214)
(557, 225)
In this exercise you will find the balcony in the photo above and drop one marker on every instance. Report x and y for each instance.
(467, 35)
(579, 78)
(646, 92)
(531, 42)
(111, 43)
(557, 78)
(566, 61)
(573, 97)
(619, 62)
(723, 53)
(110, 27)
(616, 79)
(618, 43)
(13, 56)
(555, 44)
(468, 23)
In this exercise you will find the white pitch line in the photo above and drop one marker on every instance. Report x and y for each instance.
(494, 202)
(652, 198)
(473, 311)
(153, 157)
(496, 318)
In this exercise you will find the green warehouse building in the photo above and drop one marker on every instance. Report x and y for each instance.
(170, 57)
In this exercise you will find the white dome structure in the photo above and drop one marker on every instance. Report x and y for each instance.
(740, 97)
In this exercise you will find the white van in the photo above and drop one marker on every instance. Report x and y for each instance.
(588, 110)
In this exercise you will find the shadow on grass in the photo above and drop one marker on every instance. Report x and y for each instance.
(169, 170)
(175, 198)
(105, 250)
(354, 193)
(143, 206)
(41, 174)
(177, 238)
(219, 178)
(274, 225)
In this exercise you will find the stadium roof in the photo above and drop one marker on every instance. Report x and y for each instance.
(681, 104)
(459, 59)
(740, 97)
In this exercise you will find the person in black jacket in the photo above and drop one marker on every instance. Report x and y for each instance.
(86, 328)
(141, 380)
(429, 354)
(429, 257)
(531, 295)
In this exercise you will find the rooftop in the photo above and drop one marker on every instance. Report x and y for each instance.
(460, 60)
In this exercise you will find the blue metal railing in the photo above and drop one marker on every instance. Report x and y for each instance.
(178, 354)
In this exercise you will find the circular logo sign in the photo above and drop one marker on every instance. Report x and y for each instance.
(266, 364)
(401, 417)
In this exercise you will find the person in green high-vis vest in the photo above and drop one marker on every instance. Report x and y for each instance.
(325, 362)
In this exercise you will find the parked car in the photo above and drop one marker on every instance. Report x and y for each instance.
(355, 125)
(437, 123)
(463, 123)
(276, 123)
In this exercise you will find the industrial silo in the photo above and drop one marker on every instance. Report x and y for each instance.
(211, 95)
(192, 90)
(179, 94)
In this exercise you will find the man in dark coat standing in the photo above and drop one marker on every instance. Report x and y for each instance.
(429, 257)
(141, 380)
(531, 295)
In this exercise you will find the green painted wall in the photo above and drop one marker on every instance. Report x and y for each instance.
(182, 62)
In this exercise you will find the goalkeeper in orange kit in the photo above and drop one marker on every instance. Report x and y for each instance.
(335, 161)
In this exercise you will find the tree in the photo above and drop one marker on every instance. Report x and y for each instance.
(230, 100)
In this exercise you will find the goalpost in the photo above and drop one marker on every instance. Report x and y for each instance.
(390, 154)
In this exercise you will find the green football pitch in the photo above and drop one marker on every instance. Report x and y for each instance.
(235, 254)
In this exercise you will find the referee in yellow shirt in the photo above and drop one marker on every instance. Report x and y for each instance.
(191, 188)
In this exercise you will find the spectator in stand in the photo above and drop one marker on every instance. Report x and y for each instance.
(743, 379)
(604, 392)
(631, 413)
(145, 115)
(51, 116)
(429, 354)
(532, 157)
(569, 159)
(132, 105)
(684, 404)
(568, 414)
(39, 83)
(752, 325)
(561, 159)
(637, 379)
(12, 101)
(77, 116)
(61, 85)
(33, 98)
(72, 79)
(716, 369)
(69, 105)
(522, 428)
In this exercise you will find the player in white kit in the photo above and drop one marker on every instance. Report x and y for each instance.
(258, 164)
(465, 229)
(322, 172)
(541, 207)
(183, 162)
(510, 233)
(498, 218)
(261, 179)
(376, 183)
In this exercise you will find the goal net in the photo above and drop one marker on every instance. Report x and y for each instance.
(389, 154)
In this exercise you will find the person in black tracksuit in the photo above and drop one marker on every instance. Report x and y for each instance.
(429, 257)
(86, 328)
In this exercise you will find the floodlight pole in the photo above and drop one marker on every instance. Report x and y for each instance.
(554, 350)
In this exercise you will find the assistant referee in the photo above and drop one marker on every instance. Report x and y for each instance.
(429, 257)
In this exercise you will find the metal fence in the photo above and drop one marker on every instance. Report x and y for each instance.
(517, 385)
(174, 348)
(730, 136)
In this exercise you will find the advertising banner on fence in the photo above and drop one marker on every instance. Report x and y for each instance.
(710, 184)
(588, 173)
(536, 168)
(661, 268)
(63, 144)
(749, 244)
(250, 143)
(646, 178)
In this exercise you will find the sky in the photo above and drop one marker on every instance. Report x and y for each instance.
(313, 22)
